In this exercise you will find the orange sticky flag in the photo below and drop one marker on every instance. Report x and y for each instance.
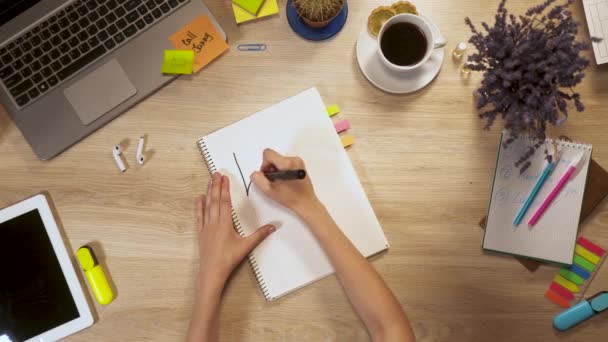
(201, 37)
(557, 299)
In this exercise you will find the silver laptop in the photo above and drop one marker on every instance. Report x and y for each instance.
(69, 67)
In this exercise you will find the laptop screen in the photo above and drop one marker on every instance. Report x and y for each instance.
(34, 295)
(12, 8)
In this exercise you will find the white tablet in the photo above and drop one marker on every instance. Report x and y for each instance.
(40, 296)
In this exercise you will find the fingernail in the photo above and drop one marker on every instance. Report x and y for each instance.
(272, 229)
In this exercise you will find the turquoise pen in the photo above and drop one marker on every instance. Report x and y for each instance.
(534, 192)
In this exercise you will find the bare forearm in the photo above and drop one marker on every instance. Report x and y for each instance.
(372, 299)
(204, 326)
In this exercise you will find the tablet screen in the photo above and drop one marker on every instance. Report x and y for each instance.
(34, 295)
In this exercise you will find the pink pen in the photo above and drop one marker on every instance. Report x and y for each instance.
(556, 190)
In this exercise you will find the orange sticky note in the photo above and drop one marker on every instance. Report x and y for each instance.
(201, 37)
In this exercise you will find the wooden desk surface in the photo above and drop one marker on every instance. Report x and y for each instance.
(423, 159)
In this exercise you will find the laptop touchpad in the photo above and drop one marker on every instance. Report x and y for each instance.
(100, 91)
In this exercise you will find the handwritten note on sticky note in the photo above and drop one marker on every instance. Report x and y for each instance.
(201, 37)
(178, 62)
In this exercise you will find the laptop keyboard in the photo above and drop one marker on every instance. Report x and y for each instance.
(66, 42)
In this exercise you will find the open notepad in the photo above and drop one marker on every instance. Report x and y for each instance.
(299, 126)
(553, 237)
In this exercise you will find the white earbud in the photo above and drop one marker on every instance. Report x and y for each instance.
(118, 159)
(140, 151)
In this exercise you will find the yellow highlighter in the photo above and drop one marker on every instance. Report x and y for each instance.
(95, 275)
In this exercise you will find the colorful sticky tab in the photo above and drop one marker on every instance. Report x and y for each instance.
(582, 262)
(584, 252)
(566, 283)
(562, 291)
(342, 126)
(573, 277)
(581, 272)
(347, 140)
(178, 62)
(200, 36)
(557, 299)
(593, 248)
(333, 110)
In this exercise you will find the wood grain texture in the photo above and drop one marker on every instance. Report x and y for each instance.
(423, 159)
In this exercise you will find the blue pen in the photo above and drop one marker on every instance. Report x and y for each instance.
(535, 191)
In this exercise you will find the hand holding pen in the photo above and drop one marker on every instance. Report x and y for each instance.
(285, 180)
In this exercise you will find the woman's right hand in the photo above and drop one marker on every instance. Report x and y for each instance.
(297, 195)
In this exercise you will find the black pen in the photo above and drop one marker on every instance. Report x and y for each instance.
(285, 175)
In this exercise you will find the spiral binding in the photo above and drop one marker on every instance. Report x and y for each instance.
(235, 220)
(573, 144)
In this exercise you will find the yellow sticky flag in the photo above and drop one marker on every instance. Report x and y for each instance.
(178, 62)
(585, 253)
(566, 283)
(333, 110)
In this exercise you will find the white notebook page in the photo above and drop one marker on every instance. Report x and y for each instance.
(299, 126)
(553, 237)
(596, 12)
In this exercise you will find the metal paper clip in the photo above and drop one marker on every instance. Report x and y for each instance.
(251, 47)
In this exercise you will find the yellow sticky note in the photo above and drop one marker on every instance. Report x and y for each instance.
(333, 110)
(347, 140)
(178, 62)
(566, 283)
(585, 253)
(270, 7)
(202, 37)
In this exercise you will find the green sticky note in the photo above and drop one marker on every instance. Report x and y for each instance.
(573, 277)
(178, 62)
(584, 263)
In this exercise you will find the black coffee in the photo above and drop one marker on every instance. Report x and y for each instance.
(403, 44)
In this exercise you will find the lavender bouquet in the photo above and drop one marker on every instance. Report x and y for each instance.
(531, 64)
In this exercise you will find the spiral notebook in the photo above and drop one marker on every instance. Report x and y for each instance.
(299, 126)
(553, 237)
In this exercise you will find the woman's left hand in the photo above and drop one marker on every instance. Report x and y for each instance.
(221, 248)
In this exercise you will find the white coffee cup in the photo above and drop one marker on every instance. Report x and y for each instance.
(432, 41)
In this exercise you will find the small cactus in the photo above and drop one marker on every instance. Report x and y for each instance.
(318, 10)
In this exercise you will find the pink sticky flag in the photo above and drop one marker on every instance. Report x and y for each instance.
(342, 126)
(562, 291)
(591, 247)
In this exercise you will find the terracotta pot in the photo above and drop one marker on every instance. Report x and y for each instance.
(318, 24)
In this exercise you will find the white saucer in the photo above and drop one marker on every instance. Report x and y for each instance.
(398, 82)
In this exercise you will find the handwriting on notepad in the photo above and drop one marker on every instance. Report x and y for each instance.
(247, 186)
(505, 196)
